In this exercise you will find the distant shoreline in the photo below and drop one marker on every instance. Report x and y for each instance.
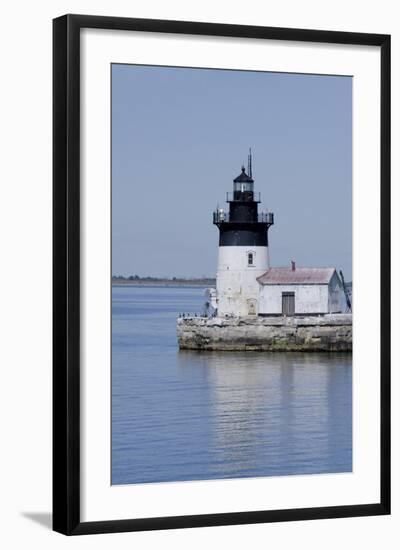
(164, 283)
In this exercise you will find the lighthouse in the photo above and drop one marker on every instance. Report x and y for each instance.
(243, 248)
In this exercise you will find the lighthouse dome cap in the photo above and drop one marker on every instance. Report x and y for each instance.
(243, 177)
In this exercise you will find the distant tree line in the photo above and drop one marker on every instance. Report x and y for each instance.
(148, 278)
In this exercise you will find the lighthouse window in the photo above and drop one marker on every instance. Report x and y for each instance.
(250, 258)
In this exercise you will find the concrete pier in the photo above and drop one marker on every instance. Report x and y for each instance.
(332, 332)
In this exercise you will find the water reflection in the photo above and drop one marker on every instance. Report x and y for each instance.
(277, 412)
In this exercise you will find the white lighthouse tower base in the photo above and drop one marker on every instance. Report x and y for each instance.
(237, 287)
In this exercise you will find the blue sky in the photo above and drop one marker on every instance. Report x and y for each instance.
(179, 137)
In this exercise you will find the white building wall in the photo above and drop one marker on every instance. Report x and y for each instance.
(237, 288)
(308, 298)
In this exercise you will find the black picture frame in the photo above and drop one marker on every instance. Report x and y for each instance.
(66, 273)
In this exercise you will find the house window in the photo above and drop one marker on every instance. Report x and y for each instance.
(250, 258)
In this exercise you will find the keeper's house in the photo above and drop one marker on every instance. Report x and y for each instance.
(299, 291)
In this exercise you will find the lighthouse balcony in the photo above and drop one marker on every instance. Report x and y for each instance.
(220, 217)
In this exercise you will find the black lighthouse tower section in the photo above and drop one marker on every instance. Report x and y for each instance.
(243, 225)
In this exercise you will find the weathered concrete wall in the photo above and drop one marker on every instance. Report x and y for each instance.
(324, 333)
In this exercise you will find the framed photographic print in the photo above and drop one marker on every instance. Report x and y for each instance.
(221, 274)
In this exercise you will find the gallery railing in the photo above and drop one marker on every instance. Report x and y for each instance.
(220, 216)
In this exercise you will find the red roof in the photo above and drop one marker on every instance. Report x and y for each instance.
(301, 275)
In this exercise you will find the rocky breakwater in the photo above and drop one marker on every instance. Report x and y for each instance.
(314, 333)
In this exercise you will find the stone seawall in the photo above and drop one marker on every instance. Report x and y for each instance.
(315, 333)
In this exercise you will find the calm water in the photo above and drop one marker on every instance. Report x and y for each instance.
(192, 415)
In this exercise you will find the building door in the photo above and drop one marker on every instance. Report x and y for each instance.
(287, 303)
